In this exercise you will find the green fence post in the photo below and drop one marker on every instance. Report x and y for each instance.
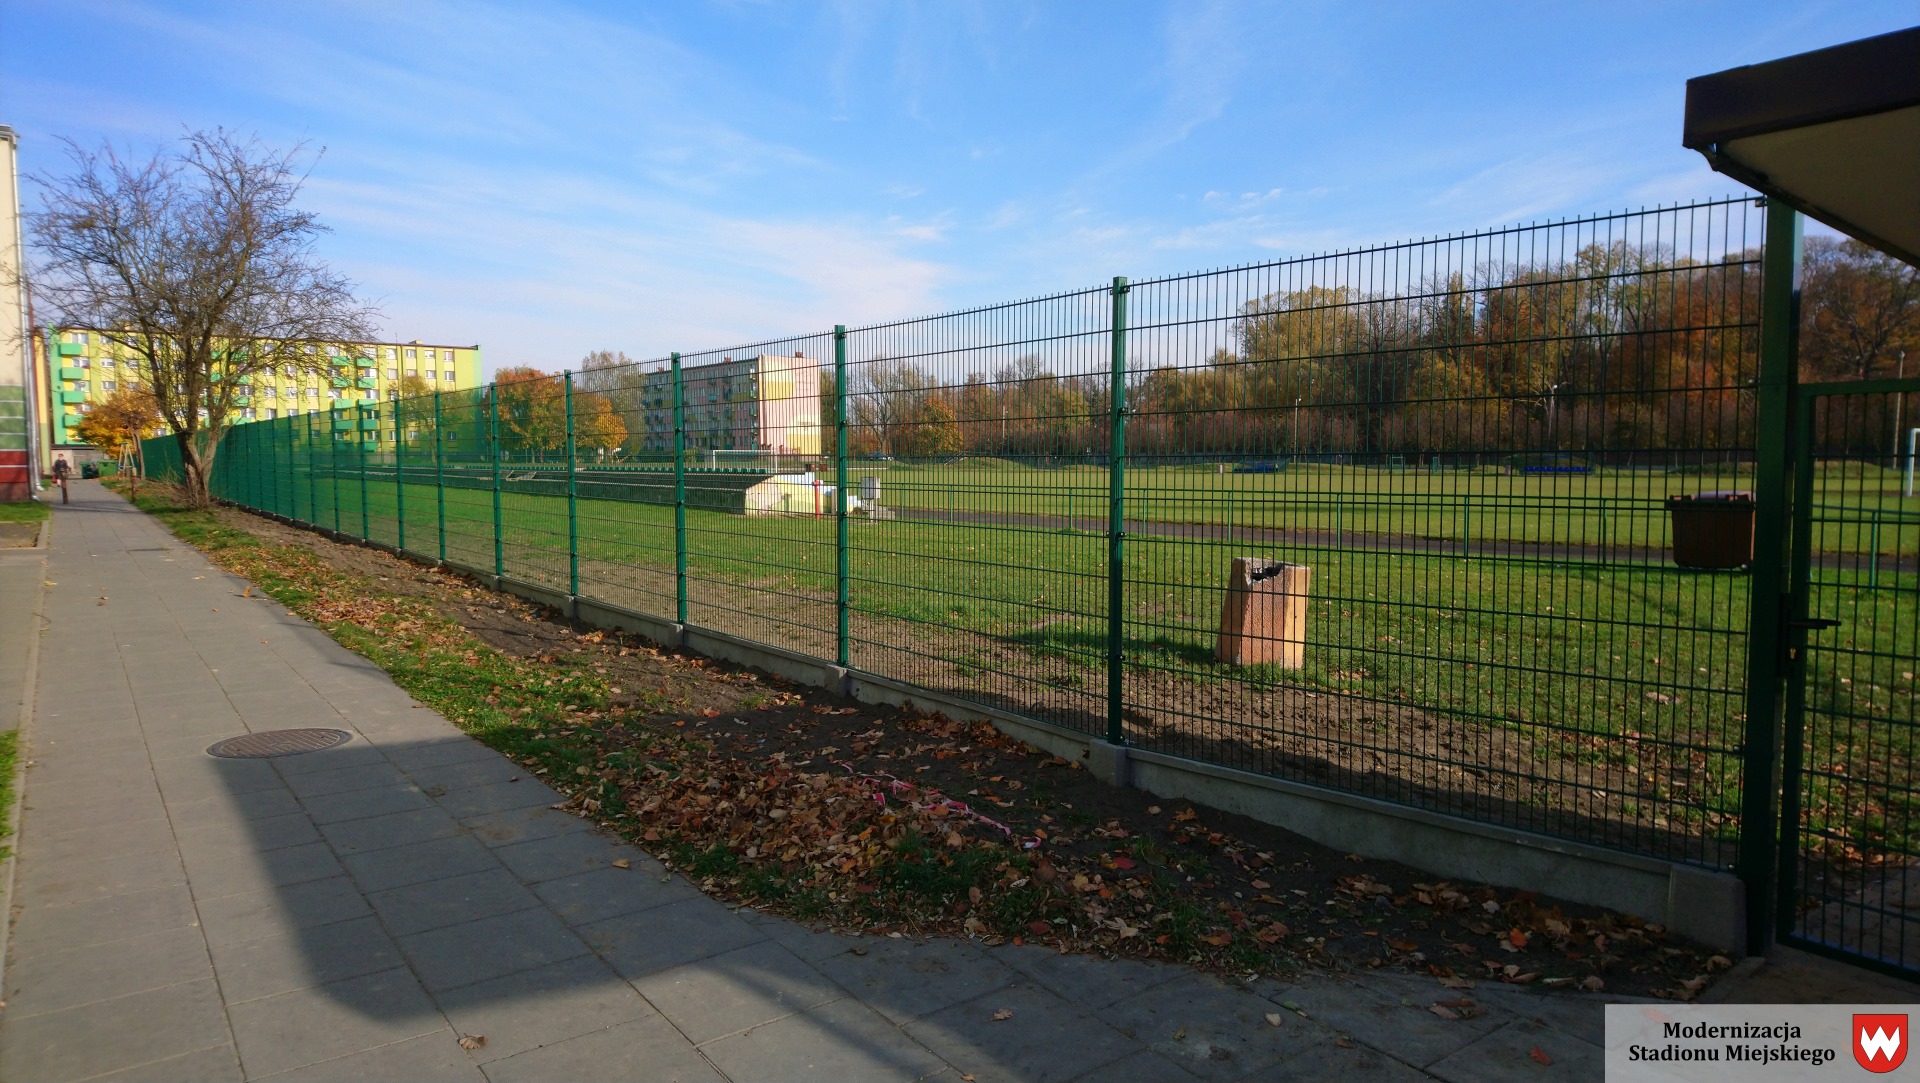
(333, 464)
(1767, 643)
(439, 479)
(679, 492)
(313, 479)
(493, 449)
(842, 592)
(573, 496)
(360, 457)
(399, 478)
(1117, 517)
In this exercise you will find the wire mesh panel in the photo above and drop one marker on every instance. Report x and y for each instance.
(1850, 878)
(978, 451)
(624, 485)
(532, 428)
(760, 520)
(468, 470)
(1443, 468)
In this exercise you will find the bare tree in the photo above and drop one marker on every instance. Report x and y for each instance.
(198, 263)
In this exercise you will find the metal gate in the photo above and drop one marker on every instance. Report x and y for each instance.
(1850, 815)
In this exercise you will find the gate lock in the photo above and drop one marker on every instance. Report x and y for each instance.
(1814, 624)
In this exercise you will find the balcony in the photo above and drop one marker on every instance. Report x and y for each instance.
(73, 374)
(369, 445)
(342, 404)
(69, 349)
(369, 422)
(365, 382)
(341, 381)
(342, 424)
(73, 396)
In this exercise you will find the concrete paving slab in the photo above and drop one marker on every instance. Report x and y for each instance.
(610, 892)
(274, 911)
(316, 1024)
(231, 808)
(110, 1035)
(265, 833)
(414, 863)
(71, 880)
(568, 854)
(219, 1064)
(316, 955)
(1085, 980)
(1406, 1024)
(643, 1051)
(363, 804)
(345, 779)
(843, 1040)
(470, 800)
(451, 901)
(523, 825)
(653, 940)
(1043, 1040)
(54, 981)
(737, 990)
(429, 1058)
(1213, 1030)
(101, 840)
(907, 979)
(233, 872)
(395, 829)
(100, 921)
(1508, 1054)
(491, 947)
(542, 1006)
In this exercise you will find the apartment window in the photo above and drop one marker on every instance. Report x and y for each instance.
(246, 414)
(313, 392)
(133, 385)
(289, 371)
(86, 407)
(449, 376)
(333, 393)
(389, 353)
(308, 350)
(106, 362)
(78, 338)
(393, 374)
(369, 393)
(273, 415)
(106, 385)
(393, 392)
(333, 351)
(366, 374)
(411, 373)
(270, 392)
(410, 354)
(81, 385)
(431, 374)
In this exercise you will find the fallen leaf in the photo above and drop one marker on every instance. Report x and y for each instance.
(1540, 1055)
(1592, 983)
(1444, 1012)
(1180, 1035)
(1003, 1015)
(622, 863)
(1274, 1019)
(1261, 885)
(472, 1041)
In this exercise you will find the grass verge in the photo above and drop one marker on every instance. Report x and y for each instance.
(24, 511)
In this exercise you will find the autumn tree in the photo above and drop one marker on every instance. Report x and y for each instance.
(121, 420)
(1861, 310)
(932, 431)
(415, 409)
(597, 426)
(532, 410)
(197, 262)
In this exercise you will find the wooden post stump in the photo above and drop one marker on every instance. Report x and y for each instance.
(1265, 616)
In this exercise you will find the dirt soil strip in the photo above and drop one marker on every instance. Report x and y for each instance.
(888, 820)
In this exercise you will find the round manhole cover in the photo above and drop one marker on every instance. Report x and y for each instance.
(260, 746)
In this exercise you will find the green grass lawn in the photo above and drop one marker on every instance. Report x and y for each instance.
(24, 511)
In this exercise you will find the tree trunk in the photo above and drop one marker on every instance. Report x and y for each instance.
(195, 471)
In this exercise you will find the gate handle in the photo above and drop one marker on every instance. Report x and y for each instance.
(1814, 624)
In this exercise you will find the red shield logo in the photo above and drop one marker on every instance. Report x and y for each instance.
(1880, 1041)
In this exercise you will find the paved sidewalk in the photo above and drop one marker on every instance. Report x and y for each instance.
(350, 914)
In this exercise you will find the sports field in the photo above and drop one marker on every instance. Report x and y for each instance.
(1556, 665)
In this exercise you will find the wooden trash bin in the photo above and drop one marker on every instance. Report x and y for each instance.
(1712, 530)
(1265, 616)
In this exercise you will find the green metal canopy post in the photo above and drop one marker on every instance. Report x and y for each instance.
(842, 593)
(1766, 618)
(679, 492)
(573, 495)
(1117, 517)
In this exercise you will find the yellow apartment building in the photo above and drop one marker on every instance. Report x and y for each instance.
(81, 369)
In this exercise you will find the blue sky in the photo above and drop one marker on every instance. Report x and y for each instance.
(546, 179)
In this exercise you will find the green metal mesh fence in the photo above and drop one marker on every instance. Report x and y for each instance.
(1442, 470)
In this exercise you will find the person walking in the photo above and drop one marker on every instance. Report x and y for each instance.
(60, 473)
